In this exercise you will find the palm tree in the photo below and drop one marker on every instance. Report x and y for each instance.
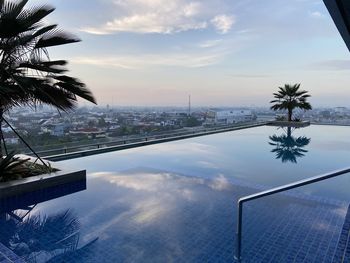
(289, 98)
(27, 75)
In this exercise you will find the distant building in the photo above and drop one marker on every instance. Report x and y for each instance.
(341, 110)
(229, 116)
(58, 130)
(90, 132)
(325, 114)
(7, 129)
(54, 129)
(12, 140)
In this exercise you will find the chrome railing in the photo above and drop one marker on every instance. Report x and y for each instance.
(276, 190)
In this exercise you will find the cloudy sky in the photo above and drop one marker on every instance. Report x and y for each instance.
(222, 52)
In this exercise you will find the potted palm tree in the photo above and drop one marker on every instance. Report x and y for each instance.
(27, 75)
(289, 98)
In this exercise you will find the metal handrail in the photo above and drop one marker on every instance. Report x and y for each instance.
(276, 190)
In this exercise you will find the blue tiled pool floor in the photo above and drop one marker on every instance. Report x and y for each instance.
(7, 256)
(342, 253)
(156, 216)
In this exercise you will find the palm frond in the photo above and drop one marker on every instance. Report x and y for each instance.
(2, 2)
(11, 9)
(27, 75)
(56, 38)
(44, 30)
(45, 66)
(35, 14)
(12, 167)
(74, 86)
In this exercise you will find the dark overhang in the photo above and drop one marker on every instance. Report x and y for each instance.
(340, 12)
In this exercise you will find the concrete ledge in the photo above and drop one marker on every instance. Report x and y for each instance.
(295, 124)
(12, 203)
(330, 124)
(40, 182)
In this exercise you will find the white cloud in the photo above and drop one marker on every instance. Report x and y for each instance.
(153, 16)
(185, 148)
(147, 60)
(206, 164)
(223, 23)
(159, 16)
(316, 14)
(192, 9)
(138, 182)
(245, 31)
(220, 183)
(148, 23)
(210, 43)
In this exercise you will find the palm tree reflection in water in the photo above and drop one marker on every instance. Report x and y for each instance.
(43, 238)
(287, 147)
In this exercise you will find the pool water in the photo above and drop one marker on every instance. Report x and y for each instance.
(244, 155)
(176, 202)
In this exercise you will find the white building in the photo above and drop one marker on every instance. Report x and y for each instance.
(229, 116)
(58, 130)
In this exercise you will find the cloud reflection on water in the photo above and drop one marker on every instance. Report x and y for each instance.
(154, 195)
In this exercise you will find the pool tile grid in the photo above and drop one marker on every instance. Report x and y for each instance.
(280, 234)
(284, 240)
(343, 249)
(7, 256)
(320, 248)
(265, 244)
(313, 241)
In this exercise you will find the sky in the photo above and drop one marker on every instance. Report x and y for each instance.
(222, 52)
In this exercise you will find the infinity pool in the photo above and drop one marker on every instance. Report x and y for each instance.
(176, 202)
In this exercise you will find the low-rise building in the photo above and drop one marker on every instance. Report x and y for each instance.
(229, 116)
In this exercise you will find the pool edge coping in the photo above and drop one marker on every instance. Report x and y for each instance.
(40, 182)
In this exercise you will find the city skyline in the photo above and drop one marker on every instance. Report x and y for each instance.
(156, 53)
